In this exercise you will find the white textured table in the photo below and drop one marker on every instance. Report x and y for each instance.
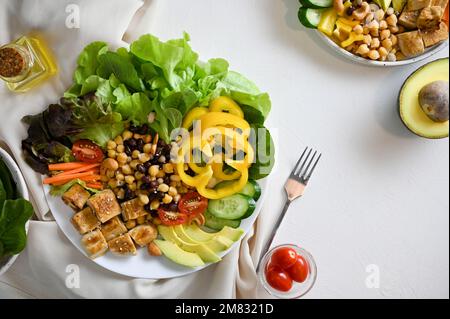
(379, 200)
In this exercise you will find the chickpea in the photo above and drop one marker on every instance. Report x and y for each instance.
(374, 55)
(168, 168)
(390, 11)
(363, 50)
(110, 174)
(163, 188)
(147, 148)
(385, 34)
(122, 158)
(358, 29)
(375, 43)
(177, 198)
(394, 39)
(379, 15)
(367, 39)
(366, 30)
(144, 158)
(154, 205)
(126, 169)
(394, 29)
(141, 220)
(172, 191)
(129, 179)
(153, 250)
(391, 57)
(135, 154)
(138, 175)
(120, 149)
(112, 154)
(369, 18)
(383, 25)
(118, 140)
(112, 183)
(162, 159)
(130, 224)
(132, 186)
(160, 180)
(134, 164)
(383, 52)
(160, 174)
(111, 145)
(153, 170)
(360, 13)
(127, 135)
(120, 176)
(137, 136)
(144, 199)
(387, 43)
(121, 193)
(109, 164)
(175, 178)
(167, 199)
(392, 20)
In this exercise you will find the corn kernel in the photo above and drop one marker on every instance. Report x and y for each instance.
(172, 191)
(129, 179)
(167, 199)
(175, 178)
(153, 170)
(160, 173)
(154, 205)
(144, 199)
(168, 168)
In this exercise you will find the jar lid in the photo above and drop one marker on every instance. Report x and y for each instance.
(15, 63)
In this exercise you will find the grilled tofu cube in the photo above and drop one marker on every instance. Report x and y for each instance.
(94, 244)
(408, 19)
(411, 43)
(433, 37)
(441, 3)
(418, 4)
(143, 234)
(104, 205)
(122, 245)
(113, 228)
(85, 221)
(430, 18)
(133, 209)
(76, 197)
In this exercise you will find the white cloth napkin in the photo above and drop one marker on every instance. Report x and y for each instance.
(45, 266)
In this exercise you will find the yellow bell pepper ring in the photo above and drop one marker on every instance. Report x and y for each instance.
(328, 21)
(193, 115)
(352, 23)
(351, 39)
(212, 119)
(225, 104)
(220, 174)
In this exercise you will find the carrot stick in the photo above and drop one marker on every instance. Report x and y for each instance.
(58, 178)
(94, 185)
(80, 169)
(66, 166)
(91, 178)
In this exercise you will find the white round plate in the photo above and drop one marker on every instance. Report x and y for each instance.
(142, 265)
(5, 264)
(428, 52)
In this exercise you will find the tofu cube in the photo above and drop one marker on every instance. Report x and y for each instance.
(94, 244)
(411, 43)
(76, 197)
(113, 228)
(408, 19)
(122, 245)
(418, 4)
(143, 234)
(433, 37)
(133, 209)
(105, 205)
(85, 221)
(430, 18)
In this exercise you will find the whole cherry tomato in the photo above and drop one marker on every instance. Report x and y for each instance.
(284, 257)
(300, 270)
(278, 278)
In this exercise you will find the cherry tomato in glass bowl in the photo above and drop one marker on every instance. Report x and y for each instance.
(192, 204)
(87, 151)
(284, 257)
(278, 278)
(300, 270)
(169, 218)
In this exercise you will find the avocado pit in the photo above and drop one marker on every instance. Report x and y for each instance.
(434, 101)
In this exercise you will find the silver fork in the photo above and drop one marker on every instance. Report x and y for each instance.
(295, 188)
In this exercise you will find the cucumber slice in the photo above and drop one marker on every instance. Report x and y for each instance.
(231, 207)
(251, 189)
(317, 4)
(310, 18)
(219, 223)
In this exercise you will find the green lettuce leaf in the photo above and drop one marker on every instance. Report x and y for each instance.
(60, 190)
(88, 61)
(111, 63)
(135, 108)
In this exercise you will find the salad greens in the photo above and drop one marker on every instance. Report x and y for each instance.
(166, 78)
(14, 213)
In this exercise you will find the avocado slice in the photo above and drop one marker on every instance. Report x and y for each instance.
(198, 234)
(178, 255)
(410, 110)
(384, 4)
(399, 5)
(206, 254)
(217, 244)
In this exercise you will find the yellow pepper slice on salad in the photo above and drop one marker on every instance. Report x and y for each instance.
(225, 104)
(193, 115)
(328, 21)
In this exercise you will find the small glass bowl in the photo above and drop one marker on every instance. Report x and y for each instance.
(298, 289)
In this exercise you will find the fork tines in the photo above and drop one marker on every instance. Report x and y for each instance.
(306, 165)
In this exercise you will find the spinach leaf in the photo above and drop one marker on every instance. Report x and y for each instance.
(264, 147)
(8, 184)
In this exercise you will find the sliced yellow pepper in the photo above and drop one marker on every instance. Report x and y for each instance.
(328, 21)
(352, 23)
(351, 39)
(343, 26)
(213, 119)
(225, 104)
(192, 116)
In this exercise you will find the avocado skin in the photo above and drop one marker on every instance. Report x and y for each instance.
(399, 112)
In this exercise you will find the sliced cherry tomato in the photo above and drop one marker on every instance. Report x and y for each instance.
(87, 151)
(169, 218)
(193, 204)
(300, 270)
(284, 257)
(278, 278)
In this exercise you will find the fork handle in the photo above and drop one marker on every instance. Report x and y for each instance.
(274, 232)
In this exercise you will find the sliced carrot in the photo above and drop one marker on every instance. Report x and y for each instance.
(84, 168)
(66, 166)
(59, 178)
(446, 16)
(91, 178)
(94, 185)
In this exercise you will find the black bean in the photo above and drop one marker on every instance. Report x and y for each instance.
(147, 208)
(129, 194)
(141, 168)
(140, 145)
(143, 129)
(132, 143)
(128, 150)
(134, 129)
(146, 180)
(154, 184)
(350, 10)
(173, 207)
(145, 186)
(167, 180)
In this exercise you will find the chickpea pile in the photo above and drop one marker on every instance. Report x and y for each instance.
(379, 29)
(138, 166)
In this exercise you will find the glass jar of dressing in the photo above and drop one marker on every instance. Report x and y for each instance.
(26, 63)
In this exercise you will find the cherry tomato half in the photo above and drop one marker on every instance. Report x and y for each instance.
(300, 270)
(278, 278)
(87, 151)
(284, 257)
(169, 218)
(193, 204)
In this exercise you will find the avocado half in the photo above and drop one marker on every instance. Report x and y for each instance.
(410, 110)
